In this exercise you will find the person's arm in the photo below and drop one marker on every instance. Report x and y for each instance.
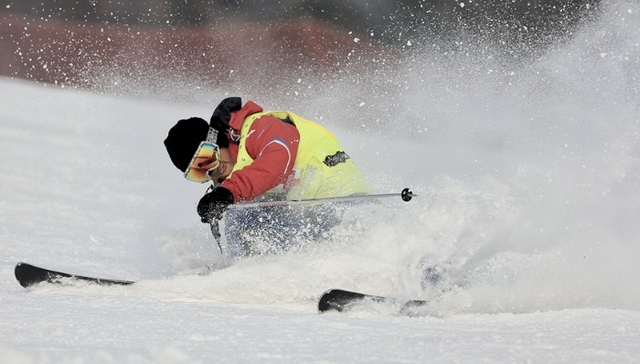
(273, 145)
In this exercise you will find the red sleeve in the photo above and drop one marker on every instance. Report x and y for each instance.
(273, 145)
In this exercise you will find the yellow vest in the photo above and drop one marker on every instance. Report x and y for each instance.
(321, 168)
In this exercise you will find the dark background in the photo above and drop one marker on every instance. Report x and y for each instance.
(93, 43)
(385, 20)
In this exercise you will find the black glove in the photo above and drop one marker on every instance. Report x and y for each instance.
(213, 204)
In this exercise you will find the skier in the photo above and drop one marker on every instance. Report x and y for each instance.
(249, 155)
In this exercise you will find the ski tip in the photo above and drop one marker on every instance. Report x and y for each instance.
(29, 275)
(341, 300)
(338, 300)
(25, 275)
(325, 303)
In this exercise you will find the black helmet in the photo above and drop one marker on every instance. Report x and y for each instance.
(184, 139)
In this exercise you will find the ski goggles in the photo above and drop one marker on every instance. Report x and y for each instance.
(205, 160)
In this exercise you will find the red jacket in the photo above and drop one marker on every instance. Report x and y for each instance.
(273, 145)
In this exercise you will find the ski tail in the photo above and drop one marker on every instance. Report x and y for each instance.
(29, 275)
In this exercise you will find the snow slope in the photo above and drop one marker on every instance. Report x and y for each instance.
(527, 171)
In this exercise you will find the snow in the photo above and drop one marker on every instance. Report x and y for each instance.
(528, 202)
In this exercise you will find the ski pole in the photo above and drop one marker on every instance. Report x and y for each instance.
(406, 196)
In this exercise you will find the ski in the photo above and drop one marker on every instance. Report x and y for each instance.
(341, 300)
(29, 275)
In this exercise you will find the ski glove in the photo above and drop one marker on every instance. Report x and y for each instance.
(214, 203)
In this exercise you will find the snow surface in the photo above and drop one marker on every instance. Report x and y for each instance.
(527, 172)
